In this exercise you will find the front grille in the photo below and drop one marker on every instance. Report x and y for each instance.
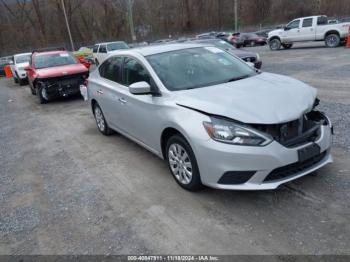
(64, 85)
(249, 59)
(295, 168)
(75, 79)
(297, 132)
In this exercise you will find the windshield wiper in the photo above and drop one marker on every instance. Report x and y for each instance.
(238, 78)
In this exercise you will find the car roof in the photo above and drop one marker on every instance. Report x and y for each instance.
(50, 53)
(22, 54)
(158, 49)
(106, 43)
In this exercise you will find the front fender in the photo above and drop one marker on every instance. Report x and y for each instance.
(188, 122)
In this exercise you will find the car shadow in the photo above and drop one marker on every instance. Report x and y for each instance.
(63, 100)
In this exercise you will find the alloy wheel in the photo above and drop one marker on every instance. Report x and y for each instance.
(332, 41)
(275, 44)
(180, 164)
(99, 119)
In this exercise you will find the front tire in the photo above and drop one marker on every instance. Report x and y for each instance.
(182, 163)
(42, 94)
(32, 90)
(101, 121)
(21, 82)
(275, 44)
(332, 40)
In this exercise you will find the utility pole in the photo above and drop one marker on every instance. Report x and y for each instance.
(130, 4)
(67, 24)
(236, 15)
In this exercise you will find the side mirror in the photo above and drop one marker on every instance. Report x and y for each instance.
(140, 88)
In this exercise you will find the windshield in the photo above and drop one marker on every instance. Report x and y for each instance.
(117, 46)
(198, 67)
(23, 59)
(52, 60)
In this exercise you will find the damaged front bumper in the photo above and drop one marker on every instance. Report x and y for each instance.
(64, 86)
(233, 167)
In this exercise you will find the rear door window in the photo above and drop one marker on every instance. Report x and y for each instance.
(103, 49)
(111, 69)
(307, 22)
(322, 20)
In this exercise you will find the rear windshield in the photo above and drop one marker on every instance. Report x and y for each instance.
(52, 60)
(117, 46)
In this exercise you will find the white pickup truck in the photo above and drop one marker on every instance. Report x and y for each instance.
(312, 28)
(100, 51)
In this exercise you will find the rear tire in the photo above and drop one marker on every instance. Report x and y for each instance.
(275, 44)
(182, 163)
(101, 121)
(332, 40)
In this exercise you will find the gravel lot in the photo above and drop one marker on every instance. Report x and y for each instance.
(66, 189)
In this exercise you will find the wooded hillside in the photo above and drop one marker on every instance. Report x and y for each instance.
(28, 24)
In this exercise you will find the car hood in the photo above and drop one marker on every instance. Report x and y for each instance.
(262, 99)
(22, 65)
(241, 53)
(61, 70)
(275, 32)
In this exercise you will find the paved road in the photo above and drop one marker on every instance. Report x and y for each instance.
(66, 189)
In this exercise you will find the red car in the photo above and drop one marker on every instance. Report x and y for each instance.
(246, 39)
(54, 74)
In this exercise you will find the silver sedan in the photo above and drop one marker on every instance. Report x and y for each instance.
(216, 121)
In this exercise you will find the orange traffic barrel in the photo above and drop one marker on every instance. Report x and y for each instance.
(348, 39)
(8, 72)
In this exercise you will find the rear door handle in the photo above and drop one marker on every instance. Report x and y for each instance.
(99, 92)
(122, 100)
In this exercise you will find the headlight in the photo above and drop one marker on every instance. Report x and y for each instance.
(229, 132)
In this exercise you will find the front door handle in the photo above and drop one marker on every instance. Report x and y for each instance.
(122, 100)
(99, 92)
